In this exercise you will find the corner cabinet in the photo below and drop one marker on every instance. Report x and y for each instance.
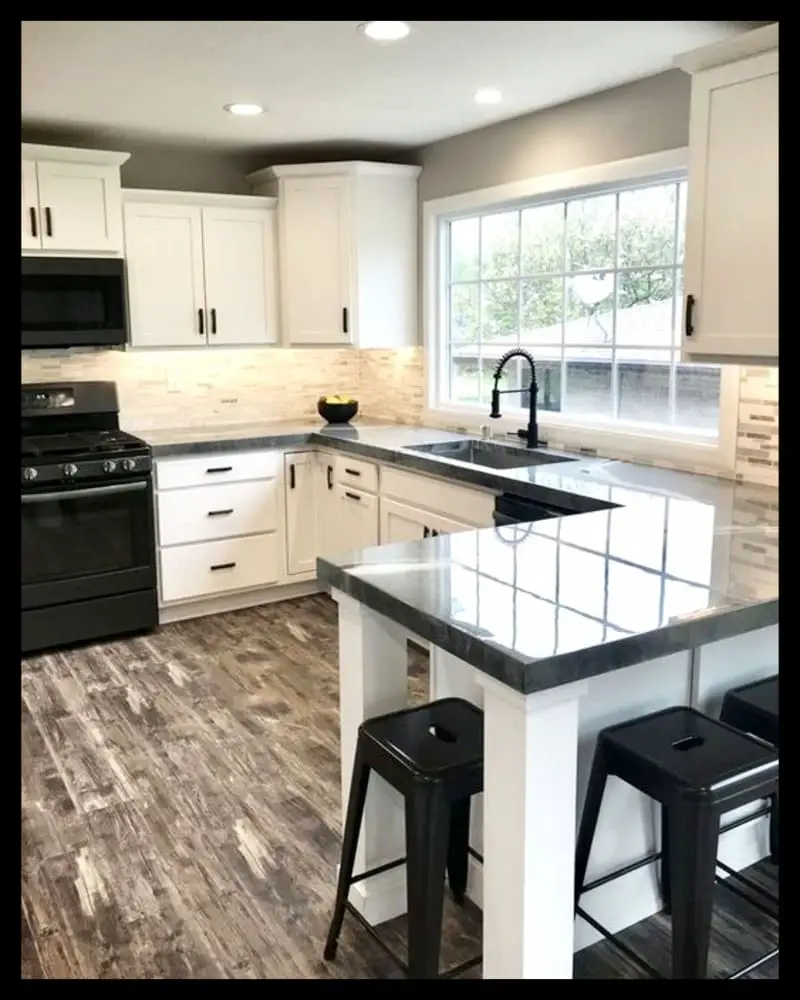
(731, 258)
(71, 201)
(348, 252)
(201, 269)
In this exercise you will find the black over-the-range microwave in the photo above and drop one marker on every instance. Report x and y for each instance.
(73, 302)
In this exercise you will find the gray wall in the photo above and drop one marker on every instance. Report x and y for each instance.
(637, 118)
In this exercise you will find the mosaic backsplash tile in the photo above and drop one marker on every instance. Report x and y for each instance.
(185, 388)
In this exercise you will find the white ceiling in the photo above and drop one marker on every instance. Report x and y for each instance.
(322, 81)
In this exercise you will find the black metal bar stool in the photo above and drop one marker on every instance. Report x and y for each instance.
(753, 708)
(433, 756)
(697, 769)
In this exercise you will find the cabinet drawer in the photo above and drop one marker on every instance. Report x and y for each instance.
(207, 469)
(202, 513)
(354, 472)
(195, 571)
(429, 493)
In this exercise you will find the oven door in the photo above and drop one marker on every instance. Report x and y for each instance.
(87, 541)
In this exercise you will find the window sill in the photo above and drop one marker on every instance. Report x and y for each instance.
(694, 453)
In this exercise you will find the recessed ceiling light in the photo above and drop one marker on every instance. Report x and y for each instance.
(244, 109)
(385, 31)
(488, 95)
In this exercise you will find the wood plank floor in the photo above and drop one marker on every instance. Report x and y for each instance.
(180, 813)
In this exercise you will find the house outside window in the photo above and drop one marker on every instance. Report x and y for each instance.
(590, 282)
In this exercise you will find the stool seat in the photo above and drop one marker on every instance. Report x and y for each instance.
(753, 708)
(690, 752)
(433, 739)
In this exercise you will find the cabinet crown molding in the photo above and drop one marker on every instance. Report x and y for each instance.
(349, 168)
(71, 154)
(197, 198)
(751, 43)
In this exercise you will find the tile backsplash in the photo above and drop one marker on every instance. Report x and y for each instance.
(193, 387)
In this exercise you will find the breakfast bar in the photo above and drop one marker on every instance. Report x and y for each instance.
(557, 630)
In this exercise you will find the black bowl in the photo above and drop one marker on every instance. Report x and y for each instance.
(337, 413)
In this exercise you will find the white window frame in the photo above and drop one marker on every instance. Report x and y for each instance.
(670, 444)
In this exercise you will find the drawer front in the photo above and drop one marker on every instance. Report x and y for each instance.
(455, 502)
(354, 472)
(196, 571)
(203, 513)
(202, 470)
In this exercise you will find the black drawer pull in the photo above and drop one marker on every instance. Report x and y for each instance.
(201, 327)
(426, 532)
(330, 477)
(352, 472)
(220, 468)
(220, 513)
(34, 227)
(48, 222)
(353, 496)
(291, 477)
(213, 320)
(345, 324)
(689, 320)
(222, 566)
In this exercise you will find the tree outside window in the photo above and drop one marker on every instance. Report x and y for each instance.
(592, 287)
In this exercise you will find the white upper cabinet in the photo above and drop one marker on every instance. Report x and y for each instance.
(348, 252)
(71, 201)
(731, 258)
(201, 269)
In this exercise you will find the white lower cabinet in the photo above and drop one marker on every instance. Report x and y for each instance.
(210, 568)
(401, 522)
(300, 484)
(227, 510)
(355, 519)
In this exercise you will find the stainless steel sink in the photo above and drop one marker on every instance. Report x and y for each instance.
(489, 454)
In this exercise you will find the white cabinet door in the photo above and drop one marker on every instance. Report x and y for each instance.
(31, 222)
(80, 207)
(732, 215)
(164, 250)
(316, 260)
(401, 523)
(238, 251)
(302, 529)
(356, 520)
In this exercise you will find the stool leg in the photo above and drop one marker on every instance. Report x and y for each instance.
(693, 838)
(427, 836)
(591, 811)
(352, 828)
(457, 853)
(666, 883)
(774, 827)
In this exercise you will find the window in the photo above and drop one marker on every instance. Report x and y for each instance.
(591, 285)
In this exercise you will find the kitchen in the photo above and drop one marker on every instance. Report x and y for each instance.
(317, 262)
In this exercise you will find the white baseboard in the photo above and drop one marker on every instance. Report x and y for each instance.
(236, 602)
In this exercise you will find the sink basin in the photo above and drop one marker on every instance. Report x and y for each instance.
(488, 454)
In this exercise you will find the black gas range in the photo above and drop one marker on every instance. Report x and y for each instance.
(88, 537)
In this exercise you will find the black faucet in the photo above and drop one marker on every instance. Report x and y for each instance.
(531, 435)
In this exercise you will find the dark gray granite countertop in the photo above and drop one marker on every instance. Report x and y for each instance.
(681, 560)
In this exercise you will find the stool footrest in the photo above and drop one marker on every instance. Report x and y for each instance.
(379, 870)
(754, 965)
(621, 947)
(735, 877)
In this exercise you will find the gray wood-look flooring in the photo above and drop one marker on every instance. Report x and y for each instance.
(180, 813)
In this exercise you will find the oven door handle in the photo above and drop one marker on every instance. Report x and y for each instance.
(94, 491)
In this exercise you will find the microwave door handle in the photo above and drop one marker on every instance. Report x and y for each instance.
(95, 491)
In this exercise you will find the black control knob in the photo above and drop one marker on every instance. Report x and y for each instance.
(29, 474)
(69, 470)
(128, 464)
(109, 465)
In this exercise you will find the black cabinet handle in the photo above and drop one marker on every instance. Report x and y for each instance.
(34, 227)
(213, 320)
(48, 222)
(330, 477)
(222, 566)
(200, 323)
(353, 496)
(220, 468)
(689, 317)
(219, 513)
(426, 532)
(345, 325)
(352, 472)
(291, 477)
(434, 533)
